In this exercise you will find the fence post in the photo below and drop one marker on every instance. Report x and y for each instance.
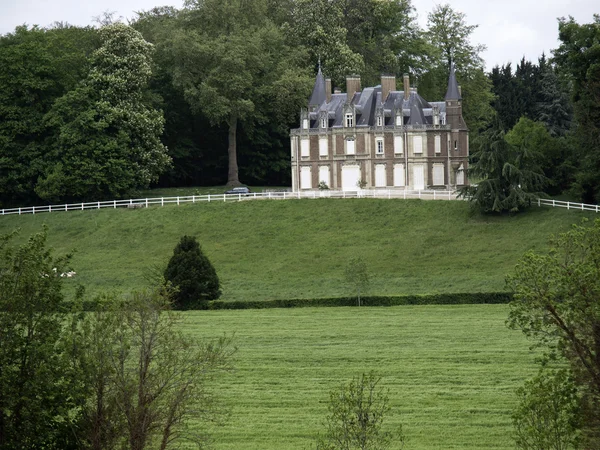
(567, 205)
(19, 211)
(98, 205)
(162, 201)
(434, 195)
(82, 206)
(49, 208)
(553, 203)
(66, 207)
(178, 200)
(114, 204)
(193, 199)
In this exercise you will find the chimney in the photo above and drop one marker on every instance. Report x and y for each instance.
(327, 90)
(459, 91)
(352, 86)
(388, 84)
(406, 86)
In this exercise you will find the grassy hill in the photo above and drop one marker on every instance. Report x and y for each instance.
(299, 248)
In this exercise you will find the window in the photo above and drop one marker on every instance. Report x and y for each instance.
(460, 175)
(418, 177)
(399, 175)
(304, 148)
(436, 119)
(350, 150)
(398, 145)
(305, 177)
(443, 118)
(379, 146)
(438, 144)
(379, 121)
(417, 144)
(438, 174)
(455, 145)
(304, 124)
(380, 179)
(323, 147)
(399, 120)
(324, 175)
(323, 122)
(349, 120)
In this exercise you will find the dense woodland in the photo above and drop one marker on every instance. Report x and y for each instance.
(206, 95)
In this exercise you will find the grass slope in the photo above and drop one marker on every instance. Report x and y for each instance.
(299, 248)
(451, 371)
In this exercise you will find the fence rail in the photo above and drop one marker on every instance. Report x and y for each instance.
(568, 205)
(278, 195)
(281, 195)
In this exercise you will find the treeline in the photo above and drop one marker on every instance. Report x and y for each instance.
(81, 109)
(206, 94)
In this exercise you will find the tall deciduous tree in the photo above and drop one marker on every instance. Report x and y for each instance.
(578, 59)
(450, 39)
(107, 139)
(228, 57)
(35, 411)
(557, 303)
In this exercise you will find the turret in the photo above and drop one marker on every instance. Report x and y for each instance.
(454, 102)
(319, 95)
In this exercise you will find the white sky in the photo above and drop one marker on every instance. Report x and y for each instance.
(510, 29)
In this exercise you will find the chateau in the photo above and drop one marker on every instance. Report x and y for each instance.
(379, 137)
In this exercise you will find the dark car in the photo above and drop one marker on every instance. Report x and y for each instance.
(242, 190)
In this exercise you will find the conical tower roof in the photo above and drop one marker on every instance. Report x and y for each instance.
(318, 94)
(452, 93)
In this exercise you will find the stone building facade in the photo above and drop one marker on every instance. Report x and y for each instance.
(380, 137)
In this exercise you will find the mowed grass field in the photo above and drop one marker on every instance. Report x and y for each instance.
(451, 372)
(275, 249)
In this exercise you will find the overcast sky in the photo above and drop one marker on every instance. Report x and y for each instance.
(510, 29)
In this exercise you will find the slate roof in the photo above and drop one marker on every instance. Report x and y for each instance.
(452, 93)
(415, 110)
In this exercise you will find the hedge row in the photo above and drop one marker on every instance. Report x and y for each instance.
(430, 299)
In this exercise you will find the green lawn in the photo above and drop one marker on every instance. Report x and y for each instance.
(270, 249)
(451, 371)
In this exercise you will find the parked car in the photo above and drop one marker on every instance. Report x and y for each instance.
(243, 190)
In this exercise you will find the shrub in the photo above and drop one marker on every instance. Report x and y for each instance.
(192, 274)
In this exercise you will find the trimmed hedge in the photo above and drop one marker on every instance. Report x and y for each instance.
(429, 299)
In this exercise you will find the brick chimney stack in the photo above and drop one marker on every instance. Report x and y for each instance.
(352, 86)
(406, 86)
(388, 84)
(328, 89)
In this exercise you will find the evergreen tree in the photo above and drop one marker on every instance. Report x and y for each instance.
(510, 175)
(192, 274)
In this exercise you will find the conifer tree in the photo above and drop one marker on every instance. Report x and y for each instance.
(192, 274)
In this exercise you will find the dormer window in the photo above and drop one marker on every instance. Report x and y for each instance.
(399, 120)
(304, 124)
(379, 121)
(349, 120)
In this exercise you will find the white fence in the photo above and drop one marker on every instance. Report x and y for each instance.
(282, 195)
(568, 205)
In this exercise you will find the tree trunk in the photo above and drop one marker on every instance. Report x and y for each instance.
(232, 175)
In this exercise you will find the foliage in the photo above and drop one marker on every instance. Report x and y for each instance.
(357, 276)
(240, 60)
(192, 274)
(146, 379)
(557, 299)
(356, 414)
(578, 60)
(510, 176)
(548, 413)
(107, 140)
(34, 369)
(449, 37)
(37, 66)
